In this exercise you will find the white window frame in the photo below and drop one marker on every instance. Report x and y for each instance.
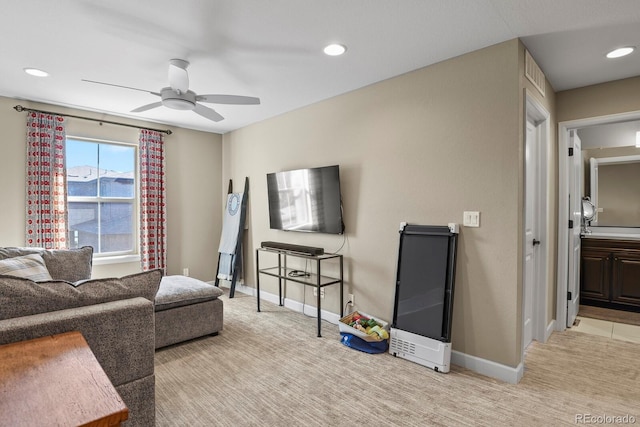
(117, 256)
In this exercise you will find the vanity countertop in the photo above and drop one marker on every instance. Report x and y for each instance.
(623, 233)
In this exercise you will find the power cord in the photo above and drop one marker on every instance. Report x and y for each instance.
(345, 306)
(298, 273)
(344, 240)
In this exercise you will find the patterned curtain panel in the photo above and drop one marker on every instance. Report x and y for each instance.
(46, 181)
(152, 201)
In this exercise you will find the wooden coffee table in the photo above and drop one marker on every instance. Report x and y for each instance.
(56, 380)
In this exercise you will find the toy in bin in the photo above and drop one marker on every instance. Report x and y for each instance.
(364, 333)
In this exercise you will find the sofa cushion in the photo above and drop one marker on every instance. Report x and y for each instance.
(70, 265)
(177, 291)
(26, 266)
(23, 297)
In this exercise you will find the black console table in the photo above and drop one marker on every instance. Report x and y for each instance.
(284, 274)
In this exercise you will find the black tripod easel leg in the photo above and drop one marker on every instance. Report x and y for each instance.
(217, 282)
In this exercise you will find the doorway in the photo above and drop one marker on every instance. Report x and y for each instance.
(536, 236)
(566, 281)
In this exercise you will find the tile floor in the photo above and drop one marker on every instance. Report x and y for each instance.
(604, 328)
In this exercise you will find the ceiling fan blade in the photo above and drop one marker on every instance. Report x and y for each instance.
(124, 87)
(147, 107)
(208, 113)
(229, 99)
(178, 76)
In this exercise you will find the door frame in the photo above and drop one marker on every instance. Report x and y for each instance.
(563, 202)
(541, 118)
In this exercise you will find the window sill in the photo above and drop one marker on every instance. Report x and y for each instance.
(119, 259)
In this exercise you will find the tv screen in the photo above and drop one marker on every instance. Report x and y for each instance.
(306, 200)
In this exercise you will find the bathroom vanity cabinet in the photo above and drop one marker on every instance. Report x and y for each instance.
(610, 273)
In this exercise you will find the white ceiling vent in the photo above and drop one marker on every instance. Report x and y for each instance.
(533, 72)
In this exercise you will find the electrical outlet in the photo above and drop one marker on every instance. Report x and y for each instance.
(185, 271)
(351, 298)
(315, 292)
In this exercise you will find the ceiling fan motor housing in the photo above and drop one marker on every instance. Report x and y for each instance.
(178, 101)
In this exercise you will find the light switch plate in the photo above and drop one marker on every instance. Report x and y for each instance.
(471, 219)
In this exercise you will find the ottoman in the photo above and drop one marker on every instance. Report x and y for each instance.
(186, 308)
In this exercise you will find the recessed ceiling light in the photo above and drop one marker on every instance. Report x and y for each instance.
(36, 72)
(335, 49)
(620, 52)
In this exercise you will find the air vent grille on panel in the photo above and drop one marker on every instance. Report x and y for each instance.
(402, 346)
(534, 73)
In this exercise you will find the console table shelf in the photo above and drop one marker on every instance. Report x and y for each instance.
(285, 274)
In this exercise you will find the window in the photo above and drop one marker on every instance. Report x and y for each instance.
(102, 196)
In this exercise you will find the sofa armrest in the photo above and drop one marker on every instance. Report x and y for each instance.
(121, 334)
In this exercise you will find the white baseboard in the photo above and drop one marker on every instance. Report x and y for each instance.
(240, 287)
(550, 328)
(488, 368)
(307, 309)
(288, 303)
(476, 364)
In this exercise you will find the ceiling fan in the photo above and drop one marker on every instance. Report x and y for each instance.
(178, 96)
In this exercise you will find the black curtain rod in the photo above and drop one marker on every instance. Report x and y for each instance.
(20, 108)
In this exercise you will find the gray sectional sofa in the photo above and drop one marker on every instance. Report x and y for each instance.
(122, 319)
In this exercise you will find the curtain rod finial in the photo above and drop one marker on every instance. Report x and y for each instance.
(19, 108)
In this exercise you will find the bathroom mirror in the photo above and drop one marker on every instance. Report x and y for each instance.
(615, 191)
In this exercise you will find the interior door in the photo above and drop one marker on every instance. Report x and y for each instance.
(575, 215)
(530, 231)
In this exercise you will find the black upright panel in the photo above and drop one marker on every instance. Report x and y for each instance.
(425, 278)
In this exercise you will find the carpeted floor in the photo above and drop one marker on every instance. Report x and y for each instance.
(270, 369)
(618, 316)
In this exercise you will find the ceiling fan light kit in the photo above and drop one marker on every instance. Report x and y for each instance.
(178, 101)
(177, 95)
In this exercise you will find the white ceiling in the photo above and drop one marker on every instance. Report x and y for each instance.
(273, 49)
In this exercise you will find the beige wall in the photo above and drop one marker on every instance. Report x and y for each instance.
(620, 96)
(422, 147)
(193, 171)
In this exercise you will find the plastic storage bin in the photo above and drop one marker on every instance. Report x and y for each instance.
(343, 324)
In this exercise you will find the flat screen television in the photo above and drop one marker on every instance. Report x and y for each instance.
(306, 200)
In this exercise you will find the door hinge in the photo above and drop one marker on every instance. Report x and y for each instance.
(570, 223)
(569, 296)
(570, 151)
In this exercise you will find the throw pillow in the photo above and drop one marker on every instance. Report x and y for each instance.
(69, 265)
(27, 266)
(14, 251)
(24, 297)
